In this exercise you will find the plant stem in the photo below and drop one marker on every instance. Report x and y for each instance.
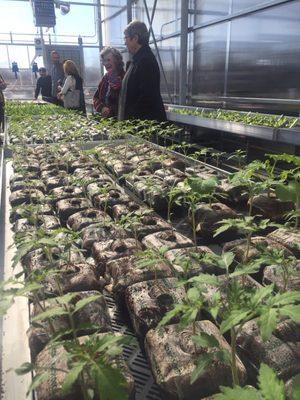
(250, 205)
(194, 328)
(297, 211)
(194, 226)
(235, 378)
(248, 246)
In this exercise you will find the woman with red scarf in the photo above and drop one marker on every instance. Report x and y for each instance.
(106, 97)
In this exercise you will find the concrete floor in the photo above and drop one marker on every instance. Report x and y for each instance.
(15, 350)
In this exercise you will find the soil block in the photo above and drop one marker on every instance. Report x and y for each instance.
(55, 359)
(169, 238)
(86, 217)
(172, 355)
(149, 301)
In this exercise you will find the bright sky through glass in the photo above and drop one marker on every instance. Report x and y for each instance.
(17, 17)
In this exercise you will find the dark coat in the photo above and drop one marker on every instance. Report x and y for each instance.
(79, 86)
(107, 94)
(143, 99)
(43, 84)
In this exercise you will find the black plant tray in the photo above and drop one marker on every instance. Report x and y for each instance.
(145, 387)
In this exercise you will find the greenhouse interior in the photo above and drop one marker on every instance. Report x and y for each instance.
(150, 199)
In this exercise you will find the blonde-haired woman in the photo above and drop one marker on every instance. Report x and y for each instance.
(73, 85)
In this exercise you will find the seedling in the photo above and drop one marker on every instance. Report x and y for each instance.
(277, 257)
(203, 153)
(247, 179)
(241, 305)
(196, 190)
(291, 192)
(133, 221)
(246, 226)
(269, 387)
(238, 156)
(183, 147)
(173, 196)
(151, 259)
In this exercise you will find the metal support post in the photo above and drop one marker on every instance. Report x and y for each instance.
(129, 11)
(43, 50)
(156, 48)
(153, 12)
(100, 37)
(183, 52)
(228, 41)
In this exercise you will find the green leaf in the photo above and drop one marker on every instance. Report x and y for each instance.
(222, 229)
(170, 315)
(49, 242)
(205, 279)
(292, 311)
(29, 287)
(84, 302)
(37, 381)
(235, 317)
(224, 356)
(71, 378)
(50, 313)
(228, 259)
(286, 192)
(66, 298)
(110, 383)
(193, 294)
(245, 270)
(261, 294)
(267, 322)
(21, 252)
(238, 393)
(205, 340)
(270, 386)
(24, 368)
(289, 297)
(202, 364)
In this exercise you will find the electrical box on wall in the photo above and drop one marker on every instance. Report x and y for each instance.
(44, 13)
(38, 47)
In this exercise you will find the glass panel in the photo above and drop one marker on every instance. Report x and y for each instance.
(19, 54)
(113, 29)
(3, 59)
(209, 52)
(265, 54)
(18, 17)
(166, 18)
(80, 20)
(91, 67)
(207, 10)
(19, 20)
(239, 5)
(169, 53)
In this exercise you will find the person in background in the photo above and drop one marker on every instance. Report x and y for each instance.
(57, 75)
(140, 94)
(43, 85)
(73, 82)
(106, 98)
(3, 86)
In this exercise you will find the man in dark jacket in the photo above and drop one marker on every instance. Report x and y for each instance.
(57, 76)
(140, 94)
(44, 85)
